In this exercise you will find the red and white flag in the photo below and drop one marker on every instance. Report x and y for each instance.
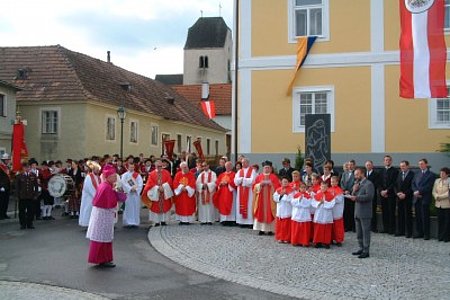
(209, 108)
(423, 53)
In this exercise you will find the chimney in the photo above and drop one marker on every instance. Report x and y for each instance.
(108, 57)
(205, 90)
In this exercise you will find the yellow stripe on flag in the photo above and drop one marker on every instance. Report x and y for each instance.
(302, 47)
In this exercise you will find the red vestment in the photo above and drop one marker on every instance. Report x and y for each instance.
(323, 231)
(185, 205)
(155, 179)
(264, 207)
(223, 198)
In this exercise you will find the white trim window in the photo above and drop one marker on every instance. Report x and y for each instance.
(50, 122)
(110, 128)
(308, 18)
(311, 100)
(133, 132)
(439, 112)
(188, 143)
(447, 16)
(3, 107)
(154, 135)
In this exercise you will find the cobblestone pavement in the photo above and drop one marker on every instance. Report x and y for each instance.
(398, 268)
(34, 291)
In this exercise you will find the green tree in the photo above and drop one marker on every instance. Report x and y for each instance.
(299, 159)
(445, 147)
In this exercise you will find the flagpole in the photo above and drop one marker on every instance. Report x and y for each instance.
(236, 73)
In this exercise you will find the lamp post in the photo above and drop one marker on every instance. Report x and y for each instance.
(121, 113)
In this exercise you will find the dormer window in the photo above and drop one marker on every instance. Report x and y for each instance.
(22, 74)
(203, 62)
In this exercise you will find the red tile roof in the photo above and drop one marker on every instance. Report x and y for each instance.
(219, 92)
(54, 73)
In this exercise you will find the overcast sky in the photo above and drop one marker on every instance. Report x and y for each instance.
(144, 36)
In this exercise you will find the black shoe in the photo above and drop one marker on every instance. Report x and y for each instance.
(318, 245)
(107, 265)
(203, 223)
(270, 233)
(426, 237)
(51, 218)
(181, 223)
(163, 224)
(408, 236)
(157, 225)
(326, 246)
(209, 223)
(359, 252)
(339, 244)
(417, 236)
(364, 255)
(261, 233)
(375, 230)
(399, 234)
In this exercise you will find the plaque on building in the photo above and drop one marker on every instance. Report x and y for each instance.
(318, 138)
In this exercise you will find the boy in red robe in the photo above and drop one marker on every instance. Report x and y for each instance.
(338, 211)
(296, 181)
(283, 197)
(184, 189)
(301, 218)
(225, 197)
(323, 216)
(264, 207)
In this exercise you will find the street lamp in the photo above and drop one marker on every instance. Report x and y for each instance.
(121, 113)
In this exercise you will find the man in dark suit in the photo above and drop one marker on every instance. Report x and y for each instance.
(362, 195)
(27, 192)
(404, 200)
(374, 177)
(423, 186)
(5, 186)
(287, 170)
(387, 195)
(347, 182)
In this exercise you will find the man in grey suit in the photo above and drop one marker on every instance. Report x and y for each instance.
(362, 195)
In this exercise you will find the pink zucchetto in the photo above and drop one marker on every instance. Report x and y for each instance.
(108, 170)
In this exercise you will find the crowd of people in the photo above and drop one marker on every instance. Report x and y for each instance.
(302, 207)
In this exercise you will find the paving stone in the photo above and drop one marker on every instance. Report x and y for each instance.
(398, 268)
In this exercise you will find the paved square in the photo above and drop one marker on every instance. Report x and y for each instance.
(398, 268)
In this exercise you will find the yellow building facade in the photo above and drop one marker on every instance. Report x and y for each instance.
(352, 72)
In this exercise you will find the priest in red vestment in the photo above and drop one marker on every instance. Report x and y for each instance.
(184, 190)
(225, 197)
(264, 208)
(101, 223)
(157, 194)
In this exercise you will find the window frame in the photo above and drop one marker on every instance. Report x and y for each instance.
(292, 37)
(432, 112)
(208, 146)
(179, 142)
(4, 105)
(296, 127)
(57, 128)
(112, 117)
(447, 29)
(136, 141)
(152, 126)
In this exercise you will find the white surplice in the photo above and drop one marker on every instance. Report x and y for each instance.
(206, 212)
(245, 182)
(131, 214)
(87, 195)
